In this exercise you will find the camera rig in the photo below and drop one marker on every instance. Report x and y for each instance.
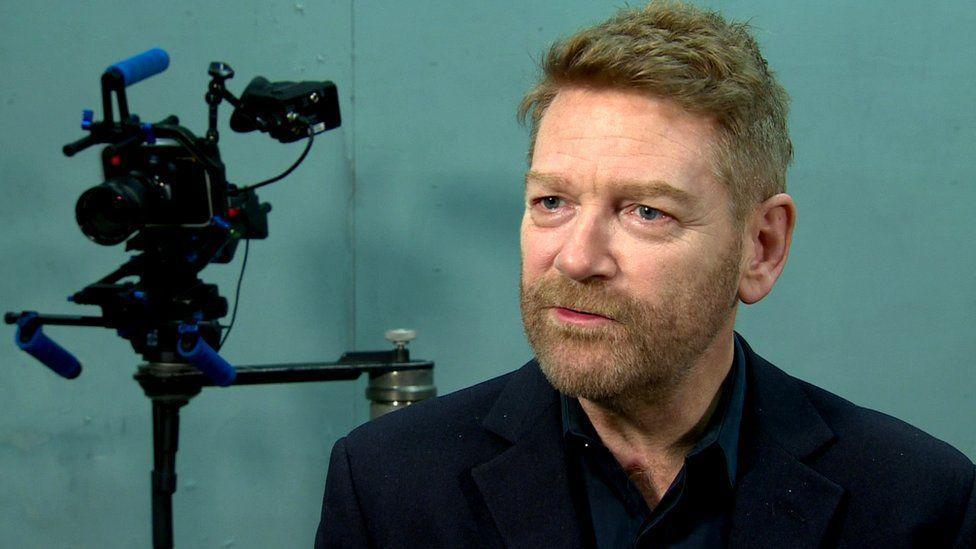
(167, 197)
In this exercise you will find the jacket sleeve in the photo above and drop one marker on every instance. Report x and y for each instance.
(966, 537)
(342, 523)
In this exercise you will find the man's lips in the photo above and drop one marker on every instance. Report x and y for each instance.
(574, 316)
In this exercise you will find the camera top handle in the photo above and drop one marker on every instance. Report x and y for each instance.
(115, 79)
(127, 72)
(140, 66)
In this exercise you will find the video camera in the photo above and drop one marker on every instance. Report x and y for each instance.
(166, 195)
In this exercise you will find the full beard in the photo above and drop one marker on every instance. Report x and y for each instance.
(649, 348)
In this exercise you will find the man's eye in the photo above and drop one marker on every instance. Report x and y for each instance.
(648, 213)
(550, 202)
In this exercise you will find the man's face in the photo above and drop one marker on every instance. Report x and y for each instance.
(630, 259)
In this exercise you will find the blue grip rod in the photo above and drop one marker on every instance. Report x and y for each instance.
(141, 66)
(49, 353)
(209, 362)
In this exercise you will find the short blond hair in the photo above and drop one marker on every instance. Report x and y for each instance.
(702, 62)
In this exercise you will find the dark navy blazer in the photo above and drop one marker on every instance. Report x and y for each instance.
(486, 467)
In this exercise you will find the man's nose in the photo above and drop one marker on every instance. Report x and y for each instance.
(586, 252)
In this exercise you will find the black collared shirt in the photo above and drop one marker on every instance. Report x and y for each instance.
(696, 510)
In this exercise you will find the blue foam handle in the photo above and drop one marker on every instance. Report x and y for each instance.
(141, 66)
(49, 353)
(209, 362)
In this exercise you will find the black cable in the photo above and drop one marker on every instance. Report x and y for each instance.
(247, 242)
(237, 294)
(282, 175)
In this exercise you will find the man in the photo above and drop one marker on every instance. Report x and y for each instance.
(655, 201)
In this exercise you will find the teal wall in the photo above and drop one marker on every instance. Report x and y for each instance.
(408, 216)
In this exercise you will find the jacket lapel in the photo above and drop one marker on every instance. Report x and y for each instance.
(783, 503)
(780, 500)
(525, 487)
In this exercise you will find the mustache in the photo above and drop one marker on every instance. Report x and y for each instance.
(596, 298)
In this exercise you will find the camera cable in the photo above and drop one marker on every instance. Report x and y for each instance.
(237, 294)
(282, 175)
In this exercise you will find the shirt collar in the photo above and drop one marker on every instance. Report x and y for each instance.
(723, 427)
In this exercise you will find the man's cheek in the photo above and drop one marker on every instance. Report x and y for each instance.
(538, 252)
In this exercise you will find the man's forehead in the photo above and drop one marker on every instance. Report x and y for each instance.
(614, 140)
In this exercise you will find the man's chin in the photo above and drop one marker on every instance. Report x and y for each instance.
(579, 385)
(581, 358)
(582, 375)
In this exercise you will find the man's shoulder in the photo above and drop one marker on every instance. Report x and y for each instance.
(896, 480)
(878, 430)
(864, 433)
(885, 445)
(886, 465)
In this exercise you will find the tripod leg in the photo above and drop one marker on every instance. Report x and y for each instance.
(166, 435)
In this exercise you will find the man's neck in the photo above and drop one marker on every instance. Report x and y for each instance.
(651, 433)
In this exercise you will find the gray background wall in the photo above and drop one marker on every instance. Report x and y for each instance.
(408, 216)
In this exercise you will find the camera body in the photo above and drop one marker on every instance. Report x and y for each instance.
(149, 186)
(180, 181)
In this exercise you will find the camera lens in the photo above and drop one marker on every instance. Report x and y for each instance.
(112, 211)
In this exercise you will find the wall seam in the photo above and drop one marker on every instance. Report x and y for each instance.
(352, 168)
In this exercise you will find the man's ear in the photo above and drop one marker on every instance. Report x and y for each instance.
(768, 233)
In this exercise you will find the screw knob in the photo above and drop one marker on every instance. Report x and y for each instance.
(220, 70)
(400, 336)
(87, 117)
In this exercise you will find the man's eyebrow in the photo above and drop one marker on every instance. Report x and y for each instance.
(631, 189)
(532, 176)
